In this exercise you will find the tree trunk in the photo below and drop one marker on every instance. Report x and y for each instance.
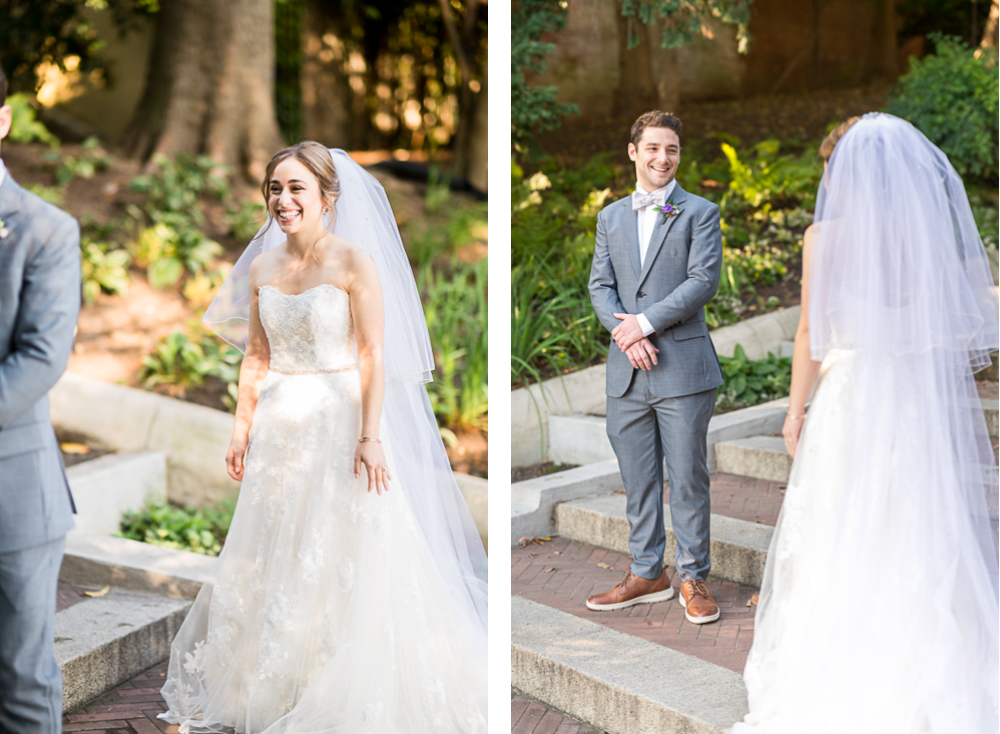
(464, 45)
(886, 42)
(478, 170)
(990, 32)
(637, 92)
(210, 86)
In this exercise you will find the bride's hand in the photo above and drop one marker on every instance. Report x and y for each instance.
(371, 455)
(791, 431)
(234, 458)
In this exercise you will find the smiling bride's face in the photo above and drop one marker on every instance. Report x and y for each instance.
(294, 198)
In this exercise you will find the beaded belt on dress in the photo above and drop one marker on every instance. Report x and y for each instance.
(314, 372)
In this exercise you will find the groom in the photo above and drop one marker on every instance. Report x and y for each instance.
(39, 303)
(657, 262)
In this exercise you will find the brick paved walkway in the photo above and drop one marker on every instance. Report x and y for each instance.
(562, 573)
(532, 717)
(69, 594)
(129, 709)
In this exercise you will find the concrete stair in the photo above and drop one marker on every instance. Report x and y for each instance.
(618, 682)
(738, 548)
(104, 641)
(761, 457)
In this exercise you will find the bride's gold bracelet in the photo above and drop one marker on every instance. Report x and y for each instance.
(368, 438)
(795, 417)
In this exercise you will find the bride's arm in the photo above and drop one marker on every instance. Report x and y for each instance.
(804, 369)
(369, 325)
(252, 373)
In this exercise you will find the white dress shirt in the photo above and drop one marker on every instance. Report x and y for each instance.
(3, 171)
(646, 221)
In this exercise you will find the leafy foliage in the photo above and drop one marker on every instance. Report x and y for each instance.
(24, 127)
(683, 20)
(953, 98)
(175, 242)
(534, 108)
(751, 381)
(198, 531)
(92, 159)
(103, 268)
(181, 363)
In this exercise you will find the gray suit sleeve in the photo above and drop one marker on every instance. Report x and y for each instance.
(703, 270)
(603, 284)
(43, 334)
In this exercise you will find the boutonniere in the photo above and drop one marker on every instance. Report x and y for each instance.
(669, 210)
(3, 230)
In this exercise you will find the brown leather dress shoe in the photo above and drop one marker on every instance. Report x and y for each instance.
(699, 606)
(633, 590)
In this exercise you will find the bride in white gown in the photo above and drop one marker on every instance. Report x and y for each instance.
(878, 610)
(350, 594)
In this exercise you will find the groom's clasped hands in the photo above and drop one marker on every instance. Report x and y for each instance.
(630, 339)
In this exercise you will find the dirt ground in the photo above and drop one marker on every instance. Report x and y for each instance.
(115, 333)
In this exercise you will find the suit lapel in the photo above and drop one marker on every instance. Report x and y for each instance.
(10, 202)
(660, 232)
(631, 228)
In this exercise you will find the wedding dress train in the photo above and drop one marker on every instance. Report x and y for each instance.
(329, 613)
(877, 611)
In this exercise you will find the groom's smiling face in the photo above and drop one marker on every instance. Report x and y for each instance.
(656, 157)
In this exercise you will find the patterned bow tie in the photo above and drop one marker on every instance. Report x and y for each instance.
(641, 201)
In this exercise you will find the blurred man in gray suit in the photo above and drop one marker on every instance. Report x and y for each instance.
(657, 262)
(39, 304)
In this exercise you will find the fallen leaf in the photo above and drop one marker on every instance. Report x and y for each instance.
(753, 600)
(619, 491)
(556, 553)
(74, 448)
(550, 569)
(603, 565)
(524, 542)
(99, 592)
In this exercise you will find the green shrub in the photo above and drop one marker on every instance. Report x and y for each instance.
(176, 186)
(952, 98)
(245, 219)
(51, 194)
(752, 381)
(199, 531)
(102, 268)
(24, 128)
(167, 252)
(456, 313)
(92, 159)
(181, 363)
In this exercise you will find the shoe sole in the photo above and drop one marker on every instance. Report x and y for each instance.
(697, 620)
(665, 595)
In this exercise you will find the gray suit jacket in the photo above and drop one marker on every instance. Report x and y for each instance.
(39, 305)
(679, 276)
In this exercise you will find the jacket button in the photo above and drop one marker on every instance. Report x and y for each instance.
(640, 294)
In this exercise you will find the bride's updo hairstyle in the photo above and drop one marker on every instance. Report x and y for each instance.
(316, 158)
(831, 140)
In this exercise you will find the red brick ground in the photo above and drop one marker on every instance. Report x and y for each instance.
(129, 709)
(744, 498)
(561, 574)
(532, 717)
(70, 594)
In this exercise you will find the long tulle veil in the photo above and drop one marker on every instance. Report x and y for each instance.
(899, 629)
(363, 217)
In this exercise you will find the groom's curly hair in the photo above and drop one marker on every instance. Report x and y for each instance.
(656, 118)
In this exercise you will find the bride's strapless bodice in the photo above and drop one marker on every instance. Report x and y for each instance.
(310, 331)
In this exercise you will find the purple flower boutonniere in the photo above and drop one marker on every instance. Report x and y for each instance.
(3, 230)
(669, 210)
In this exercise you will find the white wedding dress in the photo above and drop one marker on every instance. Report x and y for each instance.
(328, 614)
(872, 616)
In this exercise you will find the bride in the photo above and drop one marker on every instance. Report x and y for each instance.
(351, 591)
(878, 610)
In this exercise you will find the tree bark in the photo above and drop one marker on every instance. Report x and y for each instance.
(637, 92)
(464, 45)
(990, 32)
(210, 86)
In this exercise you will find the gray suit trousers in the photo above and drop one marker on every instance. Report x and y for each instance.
(645, 430)
(31, 693)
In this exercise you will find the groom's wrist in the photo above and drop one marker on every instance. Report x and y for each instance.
(647, 328)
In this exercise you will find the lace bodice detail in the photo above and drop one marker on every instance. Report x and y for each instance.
(310, 331)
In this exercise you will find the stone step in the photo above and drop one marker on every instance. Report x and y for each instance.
(617, 682)
(106, 487)
(102, 642)
(761, 457)
(738, 548)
